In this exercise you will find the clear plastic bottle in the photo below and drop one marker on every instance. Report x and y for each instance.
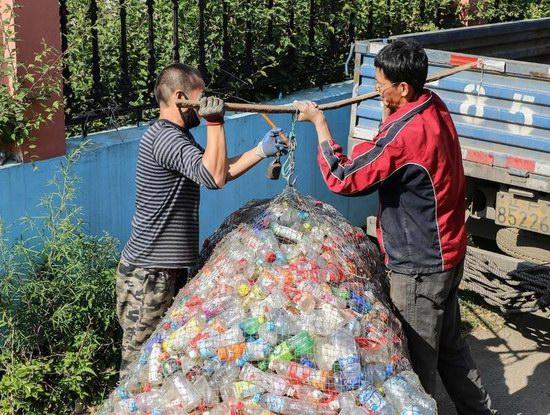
(324, 322)
(207, 394)
(256, 350)
(267, 282)
(232, 315)
(348, 375)
(256, 295)
(306, 303)
(224, 372)
(374, 348)
(284, 324)
(268, 239)
(404, 393)
(222, 408)
(208, 347)
(237, 391)
(288, 406)
(412, 379)
(376, 374)
(268, 333)
(180, 338)
(311, 394)
(177, 391)
(286, 232)
(296, 372)
(347, 402)
(149, 401)
(252, 408)
(274, 384)
(125, 407)
(322, 291)
(155, 365)
(373, 400)
(216, 306)
(325, 354)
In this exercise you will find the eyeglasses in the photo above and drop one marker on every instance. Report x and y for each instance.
(381, 91)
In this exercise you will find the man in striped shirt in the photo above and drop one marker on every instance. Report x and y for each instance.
(171, 167)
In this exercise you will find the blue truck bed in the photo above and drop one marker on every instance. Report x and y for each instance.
(501, 111)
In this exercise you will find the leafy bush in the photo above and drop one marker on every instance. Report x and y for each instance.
(59, 336)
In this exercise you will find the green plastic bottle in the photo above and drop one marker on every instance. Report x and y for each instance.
(251, 325)
(301, 344)
(281, 352)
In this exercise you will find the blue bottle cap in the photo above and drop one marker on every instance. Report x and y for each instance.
(309, 363)
(122, 393)
(132, 406)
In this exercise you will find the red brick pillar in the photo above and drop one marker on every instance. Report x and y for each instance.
(37, 22)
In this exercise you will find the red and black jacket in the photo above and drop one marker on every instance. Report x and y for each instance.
(415, 164)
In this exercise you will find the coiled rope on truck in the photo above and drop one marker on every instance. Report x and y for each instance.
(519, 290)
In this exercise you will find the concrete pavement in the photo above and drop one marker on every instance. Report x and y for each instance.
(514, 364)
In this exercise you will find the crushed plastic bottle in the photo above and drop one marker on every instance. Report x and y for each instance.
(298, 373)
(178, 392)
(288, 406)
(272, 383)
(405, 392)
(348, 368)
(372, 399)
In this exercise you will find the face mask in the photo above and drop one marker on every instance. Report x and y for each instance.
(191, 118)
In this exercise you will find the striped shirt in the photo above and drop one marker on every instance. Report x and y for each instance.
(165, 226)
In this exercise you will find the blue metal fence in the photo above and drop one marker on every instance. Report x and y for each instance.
(107, 173)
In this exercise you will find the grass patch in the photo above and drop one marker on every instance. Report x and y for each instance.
(477, 314)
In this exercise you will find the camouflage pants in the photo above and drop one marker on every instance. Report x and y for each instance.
(143, 296)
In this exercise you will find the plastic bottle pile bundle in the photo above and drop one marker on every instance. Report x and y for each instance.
(286, 316)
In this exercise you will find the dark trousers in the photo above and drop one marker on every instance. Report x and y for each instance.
(428, 308)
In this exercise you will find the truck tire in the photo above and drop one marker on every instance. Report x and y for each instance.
(523, 244)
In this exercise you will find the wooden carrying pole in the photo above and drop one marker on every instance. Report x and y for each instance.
(289, 109)
(272, 125)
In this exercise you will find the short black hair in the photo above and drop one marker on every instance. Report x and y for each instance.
(404, 61)
(177, 76)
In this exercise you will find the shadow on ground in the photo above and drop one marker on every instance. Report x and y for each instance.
(514, 361)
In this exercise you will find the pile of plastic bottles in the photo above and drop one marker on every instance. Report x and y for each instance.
(286, 316)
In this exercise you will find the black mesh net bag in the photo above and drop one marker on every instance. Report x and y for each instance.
(286, 315)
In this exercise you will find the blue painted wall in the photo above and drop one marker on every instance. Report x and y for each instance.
(107, 172)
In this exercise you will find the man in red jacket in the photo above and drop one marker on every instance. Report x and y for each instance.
(415, 164)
